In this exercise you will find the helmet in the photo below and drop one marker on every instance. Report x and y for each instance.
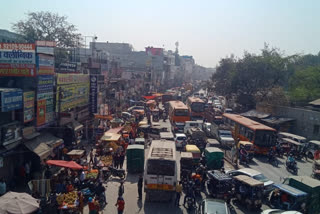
(90, 199)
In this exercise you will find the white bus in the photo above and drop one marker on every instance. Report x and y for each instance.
(160, 174)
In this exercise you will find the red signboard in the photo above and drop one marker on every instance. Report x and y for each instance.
(18, 70)
(41, 112)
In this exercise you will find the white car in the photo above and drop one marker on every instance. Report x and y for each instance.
(268, 184)
(277, 211)
(180, 140)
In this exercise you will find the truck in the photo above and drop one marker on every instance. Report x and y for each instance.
(223, 134)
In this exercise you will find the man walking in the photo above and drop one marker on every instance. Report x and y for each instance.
(140, 183)
(121, 189)
(178, 194)
(91, 156)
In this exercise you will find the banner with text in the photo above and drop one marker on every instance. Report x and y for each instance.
(11, 99)
(93, 94)
(28, 108)
(41, 112)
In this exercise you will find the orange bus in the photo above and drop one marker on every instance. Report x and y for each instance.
(178, 112)
(263, 137)
(196, 108)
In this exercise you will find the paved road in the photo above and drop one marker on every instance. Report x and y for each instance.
(133, 205)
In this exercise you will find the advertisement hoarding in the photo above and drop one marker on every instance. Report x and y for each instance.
(28, 108)
(72, 78)
(71, 96)
(11, 99)
(93, 94)
(45, 64)
(41, 112)
(45, 92)
(45, 50)
(68, 67)
(17, 70)
(17, 53)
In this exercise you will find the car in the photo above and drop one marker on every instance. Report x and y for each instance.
(181, 140)
(277, 211)
(135, 108)
(177, 127)
(211, 206)
(268, 184)
(207, 129)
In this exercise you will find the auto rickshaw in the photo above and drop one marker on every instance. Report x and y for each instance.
(248, 191)
(248, 146)
(295, 147)
(139, 141)
(155, 115)
(316, 169)
(186, 164)
(296, 198)
(219, 184)
(196, 154)
(142, 130)
(135, 158)
(213, 143)
(214, 158)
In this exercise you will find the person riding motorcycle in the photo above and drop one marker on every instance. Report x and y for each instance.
(189, 194)
(243, 153)
(291, 161)
(100, 191)
(270, 154)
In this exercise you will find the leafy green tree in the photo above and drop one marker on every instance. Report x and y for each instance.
(48, 26)
(305, 85)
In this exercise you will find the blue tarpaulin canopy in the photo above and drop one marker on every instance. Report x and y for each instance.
(290, 190)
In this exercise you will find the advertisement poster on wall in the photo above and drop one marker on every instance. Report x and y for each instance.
(93, 94)
(28, 109)
(45, 92)
(41, 112)
(11, 99)
(72, 95)
(68, 68)
(45, 64)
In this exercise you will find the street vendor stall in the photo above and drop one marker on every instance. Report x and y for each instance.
(65, 164)
(68, 201)
(76, 154)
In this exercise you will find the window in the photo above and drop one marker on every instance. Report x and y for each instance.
(316, 129)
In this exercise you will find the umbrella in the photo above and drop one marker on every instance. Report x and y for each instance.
(66, 164)
(149, 97)
(18, 203)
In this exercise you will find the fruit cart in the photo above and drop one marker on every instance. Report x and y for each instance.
(68, 201)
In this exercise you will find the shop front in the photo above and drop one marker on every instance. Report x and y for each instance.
(10, 158)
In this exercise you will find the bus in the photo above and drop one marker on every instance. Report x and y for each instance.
(160, 174)
(196, 108)
(178, 112)
(263, 137)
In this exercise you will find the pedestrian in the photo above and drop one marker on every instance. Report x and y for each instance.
(81, 202)
(95, 160)
(178, 193)
(121, 160)
(117, 161)
(82, 175)
(91, 156)
(140, 183)
(92, 206)
(120, 204)
(3, 187)
(47, 173)
(121, 189)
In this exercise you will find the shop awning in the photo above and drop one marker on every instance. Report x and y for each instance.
(149, 97)
(66, 164)
(76, 126)
(50, 140)
(39, 148)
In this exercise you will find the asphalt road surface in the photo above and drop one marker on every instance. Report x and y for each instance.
(134, 206)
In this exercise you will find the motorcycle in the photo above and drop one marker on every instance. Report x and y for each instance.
(190, 203)
(292, 167)
(279, 151)
(185, 183)
(273, 160)
(244, 159)
(121, 173)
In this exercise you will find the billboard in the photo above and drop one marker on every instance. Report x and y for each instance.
(72, 78)
(71, 96)
(41, 112)
(45, 92)
(17, 70)
(93, 94)
(17, 53)
(11, 99)
(45, 50)
(28, 106)
(45, 64)
(68, 67)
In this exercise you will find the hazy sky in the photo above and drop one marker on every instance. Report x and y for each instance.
(208, 30)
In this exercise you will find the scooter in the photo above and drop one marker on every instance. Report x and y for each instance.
(273, 160)
(244, 159)
(190, 203)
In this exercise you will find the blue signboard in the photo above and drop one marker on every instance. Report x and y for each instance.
(11, 99)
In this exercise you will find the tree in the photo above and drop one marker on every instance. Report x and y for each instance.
(48, 26)
(305, 85)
